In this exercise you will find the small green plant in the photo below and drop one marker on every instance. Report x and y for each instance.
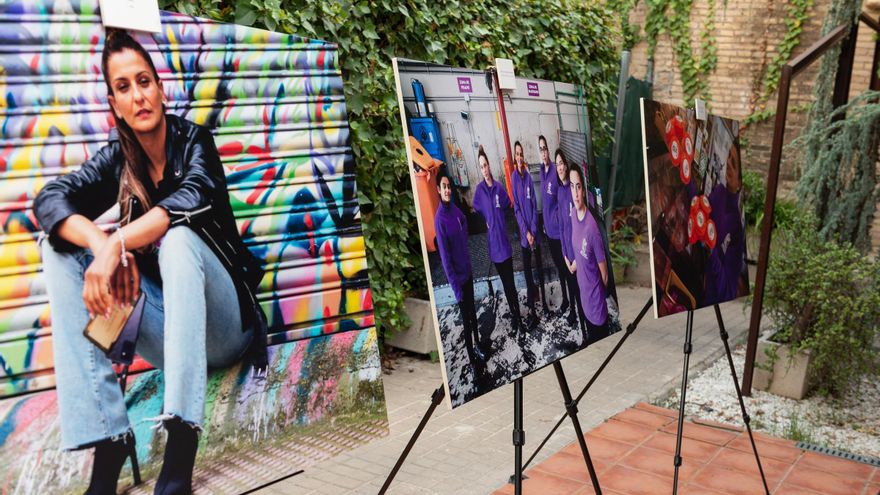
(825, 297)
(755, 190)
(798, 430)
(622, 245)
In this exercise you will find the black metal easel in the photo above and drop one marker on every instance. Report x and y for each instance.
(518, 432)
(688, 347)
(629, 331)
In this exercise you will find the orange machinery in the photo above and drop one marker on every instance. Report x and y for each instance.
(426, 190)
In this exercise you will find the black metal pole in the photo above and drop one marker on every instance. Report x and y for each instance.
(436, 399)
(572, 410)
(132, 451)
(629, 330)
(519, 436)
(688, 338)
(742, 405)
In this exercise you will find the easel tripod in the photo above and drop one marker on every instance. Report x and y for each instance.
(688, 347)
(570, 405)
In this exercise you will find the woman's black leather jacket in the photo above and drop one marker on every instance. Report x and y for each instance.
(200, 201)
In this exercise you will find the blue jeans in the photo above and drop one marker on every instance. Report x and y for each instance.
(190, 321)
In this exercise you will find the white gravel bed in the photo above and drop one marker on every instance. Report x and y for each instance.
(851, 425)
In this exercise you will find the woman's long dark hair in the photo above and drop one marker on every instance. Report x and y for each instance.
(561, 154)
(135, 162)
(580, 173)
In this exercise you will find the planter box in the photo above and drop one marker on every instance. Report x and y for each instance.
(788, 377)
(420, 336)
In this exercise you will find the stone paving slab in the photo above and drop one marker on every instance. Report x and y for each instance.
(469, 451)
(634, 456)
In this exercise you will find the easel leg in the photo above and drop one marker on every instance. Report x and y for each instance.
(572, 410)
(519, 436)
(629, 331)
(132, 452)
(688, 339)
(436, 398)
(742, 405)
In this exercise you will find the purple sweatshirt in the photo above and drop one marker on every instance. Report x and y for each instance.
(549, 186)
(727, 260)
(589, 252)
(451, 229)
(563, 216)
(525, 204)
(491, 202)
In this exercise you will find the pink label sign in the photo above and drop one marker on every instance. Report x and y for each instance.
(464, 85)
(533, 88)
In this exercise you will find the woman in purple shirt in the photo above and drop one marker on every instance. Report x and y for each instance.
(491, 201)
(563, 214)
(451, 229)
(589, 263)
(525, 207)
(550, 182)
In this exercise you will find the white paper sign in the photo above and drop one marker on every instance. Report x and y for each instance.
(700, 107)
(506, 76)
(137, 15)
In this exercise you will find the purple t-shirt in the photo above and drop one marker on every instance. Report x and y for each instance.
(491, 202)
(451, 229)
(549, 187)
(525, 204)
(563, 214)
(727, 260)
(586, 239)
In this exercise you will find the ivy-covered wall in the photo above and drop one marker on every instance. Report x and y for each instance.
(563, 40)
(746, 40)
(749, 40)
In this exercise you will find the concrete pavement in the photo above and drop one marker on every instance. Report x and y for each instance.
(469, 451)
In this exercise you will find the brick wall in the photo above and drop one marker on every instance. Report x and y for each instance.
(747, 33)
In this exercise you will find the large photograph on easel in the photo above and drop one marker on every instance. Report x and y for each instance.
(260, 119)
(696, 223)
(516, 251)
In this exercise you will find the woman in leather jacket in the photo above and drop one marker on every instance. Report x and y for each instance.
(177, 243)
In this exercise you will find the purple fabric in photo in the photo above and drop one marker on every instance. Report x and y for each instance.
(727, 259)
(563, 214)
(491, 202)
(525, 204)
(451, 229)
(549, 185)
(586, 239)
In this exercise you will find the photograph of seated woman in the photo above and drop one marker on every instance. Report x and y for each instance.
(177, 243)
(451, 228)
(590, 263)
(491, 201)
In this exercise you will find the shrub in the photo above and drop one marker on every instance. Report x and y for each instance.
(825, 297)
(755, 191)
(557, 39)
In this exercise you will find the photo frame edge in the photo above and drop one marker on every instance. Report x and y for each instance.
(648, 209)
(436, 319)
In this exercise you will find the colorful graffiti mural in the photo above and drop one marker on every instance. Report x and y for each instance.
(276, 106)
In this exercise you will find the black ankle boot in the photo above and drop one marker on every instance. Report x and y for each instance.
(179, 460)
(110, 455)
